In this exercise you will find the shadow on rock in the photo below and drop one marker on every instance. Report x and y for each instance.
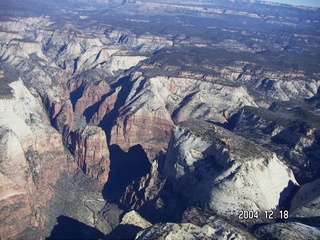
(287, 194)
(127, 231)
(124, 168)
(69, 228)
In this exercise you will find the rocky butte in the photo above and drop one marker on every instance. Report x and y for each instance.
(159, 120)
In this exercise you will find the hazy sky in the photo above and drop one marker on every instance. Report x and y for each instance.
(310, 3)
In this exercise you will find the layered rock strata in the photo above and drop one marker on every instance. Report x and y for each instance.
(32, 158)
(203, 160)
(91, 153)
(154, 104)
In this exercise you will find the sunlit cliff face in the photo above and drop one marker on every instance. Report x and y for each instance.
(117, 116)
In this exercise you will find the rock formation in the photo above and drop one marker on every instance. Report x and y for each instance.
(293, 126)
(305, 203)
(201, 155)
(288, 230)
(154, 104)
(212, 230)
(32, 158)
(135, 219)
(183, 112)
(91, 153)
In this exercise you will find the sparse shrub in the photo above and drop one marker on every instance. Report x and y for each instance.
(5, 80)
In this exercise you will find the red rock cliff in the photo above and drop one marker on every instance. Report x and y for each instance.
(91, 153)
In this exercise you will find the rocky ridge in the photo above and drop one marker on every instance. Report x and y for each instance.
(32, 157)
(110, 90)
(291, 125)
(225, 162)
(157, 103)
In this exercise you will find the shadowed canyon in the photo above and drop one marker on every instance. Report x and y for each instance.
(157, 119)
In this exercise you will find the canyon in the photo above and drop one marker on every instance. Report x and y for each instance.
(159, 120)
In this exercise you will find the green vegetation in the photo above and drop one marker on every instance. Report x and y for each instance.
(5, 89)
(202, 129)
(204, 59)
(212, 133)
(298, 118)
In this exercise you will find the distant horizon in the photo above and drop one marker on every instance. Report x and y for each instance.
(307, 3)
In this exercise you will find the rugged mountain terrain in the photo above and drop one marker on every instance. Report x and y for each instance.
(157, 119)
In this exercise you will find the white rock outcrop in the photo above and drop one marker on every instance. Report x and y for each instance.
(290, 231)
(24, 116)
(134, 218)
(212, 166)
(170, 231)
(119, 62)
(175, 231)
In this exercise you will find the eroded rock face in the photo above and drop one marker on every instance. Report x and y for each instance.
(69, 69)
(306, 202)
(288, 128)
(78, 71)
(293, 230)
(122, 62)
(175, 230)
(202, 155)
(32, 157)
(222, 227)
(270, 86)
(86, 94)
(130, 225)
(214, 230)
(149, 196)
(135, 219)
(154, 105)
(91, 153)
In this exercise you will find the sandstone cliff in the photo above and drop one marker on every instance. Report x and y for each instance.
(154, 104)
(288, 128)
(91, 153)
(113, 85)
(32, 158)
(204, 159)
